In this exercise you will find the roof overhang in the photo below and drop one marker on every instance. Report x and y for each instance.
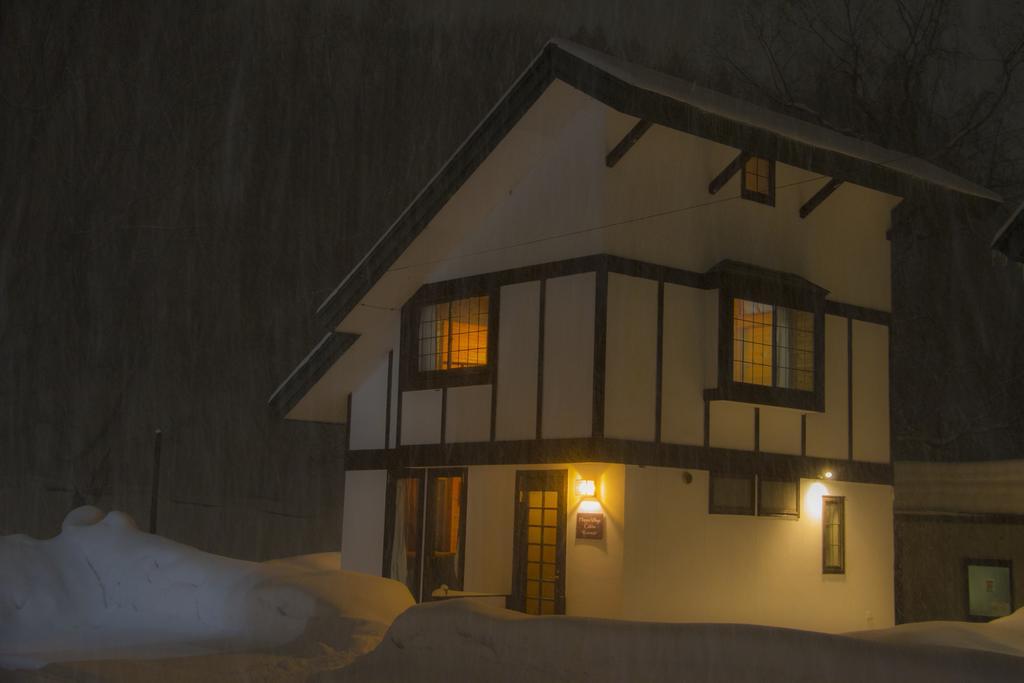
(641, 93)
(1010, 238)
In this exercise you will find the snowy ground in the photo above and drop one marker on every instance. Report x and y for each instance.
(105, 602)
(460, 641)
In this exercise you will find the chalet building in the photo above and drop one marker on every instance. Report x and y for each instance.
(627, 355)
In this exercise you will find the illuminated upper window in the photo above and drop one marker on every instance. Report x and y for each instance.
(758, 181)
(773, 346)
(453, 334)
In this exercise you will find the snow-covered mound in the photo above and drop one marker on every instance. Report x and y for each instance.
(461, 641)
(1005, 635)
(102, 589)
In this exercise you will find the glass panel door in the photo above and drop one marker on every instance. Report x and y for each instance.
(539, 552)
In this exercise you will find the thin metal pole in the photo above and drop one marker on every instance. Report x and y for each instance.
(154, 490)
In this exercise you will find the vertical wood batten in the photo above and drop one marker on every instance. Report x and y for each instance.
(542, 305)
(600, 348)
(658, 363)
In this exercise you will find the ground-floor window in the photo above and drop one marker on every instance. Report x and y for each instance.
(425, 529)
(751, 494)
(833, 535)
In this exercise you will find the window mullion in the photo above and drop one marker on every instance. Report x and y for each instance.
(448, 349)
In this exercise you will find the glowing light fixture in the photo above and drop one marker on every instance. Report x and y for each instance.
(585, 488)
(827, 474)
(812, 501)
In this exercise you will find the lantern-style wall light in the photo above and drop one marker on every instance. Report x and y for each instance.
(585, 488)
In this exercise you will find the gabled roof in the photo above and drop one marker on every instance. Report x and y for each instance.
(645, 94)
(1010, 238)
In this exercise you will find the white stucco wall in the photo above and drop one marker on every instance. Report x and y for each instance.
(568, 356)
(362, 532)
(369, 405)
(631, 357)
(683, 564)
(518, 332)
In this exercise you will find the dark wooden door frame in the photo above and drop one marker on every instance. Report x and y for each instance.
(517, 598)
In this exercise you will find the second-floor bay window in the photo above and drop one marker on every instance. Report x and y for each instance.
(773, 345)
(771, 338)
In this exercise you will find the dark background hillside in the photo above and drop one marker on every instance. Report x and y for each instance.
(182, 183)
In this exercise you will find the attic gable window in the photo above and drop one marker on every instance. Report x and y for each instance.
(758, 180)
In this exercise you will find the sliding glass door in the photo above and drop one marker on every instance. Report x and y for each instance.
(425, 530)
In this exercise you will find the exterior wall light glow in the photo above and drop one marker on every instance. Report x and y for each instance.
(585, 488)
(827, 474)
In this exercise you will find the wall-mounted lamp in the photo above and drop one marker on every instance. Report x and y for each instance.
(585, 488)
(827, 474)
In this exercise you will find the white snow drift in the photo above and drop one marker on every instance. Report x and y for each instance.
(102, 589)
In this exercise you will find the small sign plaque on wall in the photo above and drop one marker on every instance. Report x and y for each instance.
(590, 525)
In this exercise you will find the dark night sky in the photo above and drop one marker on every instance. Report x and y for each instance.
(182, 183)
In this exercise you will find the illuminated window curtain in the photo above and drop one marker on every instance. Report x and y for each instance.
(405, 539)
(794, 348)
(442, 565)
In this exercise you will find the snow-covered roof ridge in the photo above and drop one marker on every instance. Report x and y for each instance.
(741, 111)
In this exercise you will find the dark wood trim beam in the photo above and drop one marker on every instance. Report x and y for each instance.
(659, 361)
(727, 173)
(387, 401)
(626, 143)
(444, 412)
(542, 313)
(776, 466)
(348, 423)
(652, 271)
(494, 332)
(849, 387)
(820, 196)
(868, 315)
(600, 348)
(803, 434)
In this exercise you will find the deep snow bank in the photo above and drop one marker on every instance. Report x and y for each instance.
(104, 589)
(461, 641)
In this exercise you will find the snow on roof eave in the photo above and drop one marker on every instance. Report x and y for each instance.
(1012, 231)
(745, 113)
(646, 94)
(325, 354)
